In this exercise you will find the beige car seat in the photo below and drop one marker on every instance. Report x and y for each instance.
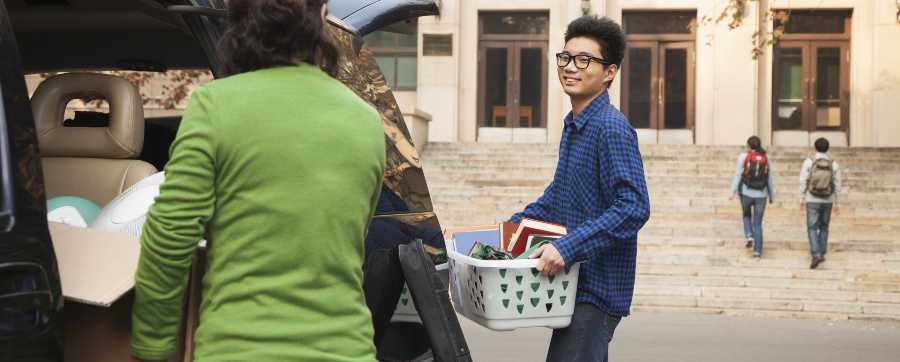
(96, 163)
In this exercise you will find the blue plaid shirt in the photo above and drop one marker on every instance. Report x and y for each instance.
(600, 195)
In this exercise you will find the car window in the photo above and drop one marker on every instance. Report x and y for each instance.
(165, 94)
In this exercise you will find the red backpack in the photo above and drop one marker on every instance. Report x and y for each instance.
(756, 170)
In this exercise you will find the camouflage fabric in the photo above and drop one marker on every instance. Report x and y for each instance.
(403, 171)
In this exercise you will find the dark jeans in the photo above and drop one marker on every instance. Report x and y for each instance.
(586, 339)
(818, 215)
(753, 209)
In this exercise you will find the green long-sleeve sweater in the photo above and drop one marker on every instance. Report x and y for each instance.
(282, 168)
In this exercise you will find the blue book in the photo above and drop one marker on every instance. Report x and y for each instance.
(465, 239)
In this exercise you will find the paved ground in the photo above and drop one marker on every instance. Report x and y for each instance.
(674, 337)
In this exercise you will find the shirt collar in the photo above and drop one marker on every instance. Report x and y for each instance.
(588, 112)
(821, 155)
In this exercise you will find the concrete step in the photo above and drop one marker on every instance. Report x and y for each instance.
(650, 243)
(826, 293)
(691, 253)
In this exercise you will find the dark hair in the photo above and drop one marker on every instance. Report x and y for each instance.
(822, 145)
(605, 31)
(755, 144)
(269, 33)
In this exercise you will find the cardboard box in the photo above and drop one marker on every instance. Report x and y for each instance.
(97, 274)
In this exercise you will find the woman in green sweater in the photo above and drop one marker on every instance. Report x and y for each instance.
(279, 166)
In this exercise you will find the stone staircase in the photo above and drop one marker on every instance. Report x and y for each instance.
(691, 255)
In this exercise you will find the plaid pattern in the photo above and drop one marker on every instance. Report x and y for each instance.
(600, 195)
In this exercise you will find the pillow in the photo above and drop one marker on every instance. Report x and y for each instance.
(72, 210)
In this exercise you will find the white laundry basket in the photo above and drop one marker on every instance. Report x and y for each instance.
(508, 294)
(406, 309)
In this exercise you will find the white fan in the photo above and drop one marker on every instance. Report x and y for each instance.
(127, 212)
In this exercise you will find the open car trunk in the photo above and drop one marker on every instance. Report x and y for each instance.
(94, 270)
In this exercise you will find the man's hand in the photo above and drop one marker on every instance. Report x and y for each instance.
(802, 205)
(551, 260)
(837, 211)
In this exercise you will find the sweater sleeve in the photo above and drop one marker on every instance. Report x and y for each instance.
(837, 182)
(804, 179)
(737, 174)
(174, 225)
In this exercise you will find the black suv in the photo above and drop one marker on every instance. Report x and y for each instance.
(45, 36)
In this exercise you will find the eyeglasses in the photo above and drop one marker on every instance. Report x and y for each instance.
(582, 61)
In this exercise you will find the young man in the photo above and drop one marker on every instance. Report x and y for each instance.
(820, 184)
(598, 193)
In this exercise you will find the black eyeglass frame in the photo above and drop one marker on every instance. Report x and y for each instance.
(572, 57)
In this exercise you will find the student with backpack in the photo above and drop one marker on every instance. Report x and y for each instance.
(820, 184)
(753, 181)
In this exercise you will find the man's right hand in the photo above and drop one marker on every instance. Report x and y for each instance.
(802, 205)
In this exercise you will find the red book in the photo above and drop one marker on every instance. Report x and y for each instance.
(519, 240)
(506, 231)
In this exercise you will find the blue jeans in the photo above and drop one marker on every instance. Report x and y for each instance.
(754, 208)
(586, 339)
(818, 215)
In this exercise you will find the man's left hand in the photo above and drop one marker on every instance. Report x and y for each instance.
(551, 261)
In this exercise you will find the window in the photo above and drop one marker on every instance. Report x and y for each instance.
(395, 54)
(643, 22)
(811, 71)
(164, 94)
(515, 23)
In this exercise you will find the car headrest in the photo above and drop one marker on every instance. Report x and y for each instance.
(122, 139)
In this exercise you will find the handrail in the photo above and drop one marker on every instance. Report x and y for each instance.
(7, 201)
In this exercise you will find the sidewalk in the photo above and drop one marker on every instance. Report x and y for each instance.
(674, 337)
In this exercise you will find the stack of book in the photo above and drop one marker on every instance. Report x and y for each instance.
(512, 238)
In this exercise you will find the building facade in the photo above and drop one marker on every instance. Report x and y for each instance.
(485, 71)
